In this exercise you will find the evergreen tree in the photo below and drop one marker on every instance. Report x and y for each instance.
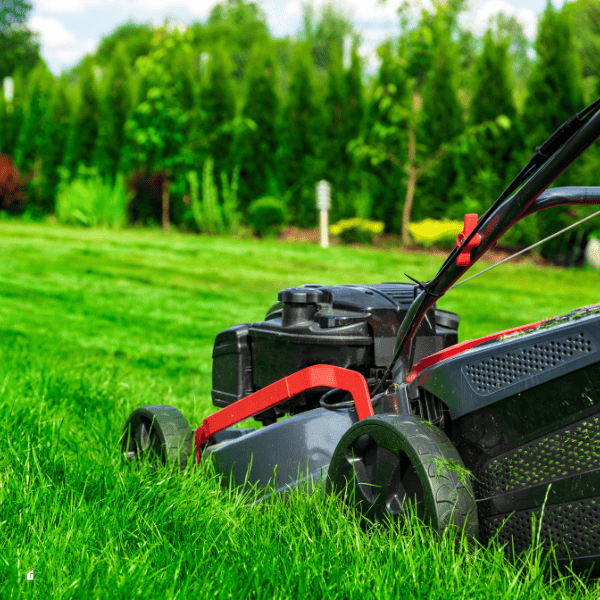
(116, 106)
(135, 39)
(333, 143)
(258, 174)
(442, 121)
(555, 88)
(86, 121)
(57, 129)
(14, 116)
(300, 126)
(19, 47)
(387, 128)
(344, 111)
(37, 100)
(355, 105)
(492, 97)
(218, 105)
(3, 119)
(555, 92)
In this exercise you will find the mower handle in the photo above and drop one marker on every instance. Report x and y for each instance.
(496, 221)
(563, 196)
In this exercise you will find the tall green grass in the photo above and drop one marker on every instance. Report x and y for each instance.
(212, 216)
(95, 323)
(90, 201)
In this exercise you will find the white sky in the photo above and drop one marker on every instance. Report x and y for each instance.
(70, 29)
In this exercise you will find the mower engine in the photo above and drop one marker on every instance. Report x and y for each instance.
(349, 326)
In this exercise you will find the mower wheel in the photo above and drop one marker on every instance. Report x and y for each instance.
(157, 434)
(386, 463)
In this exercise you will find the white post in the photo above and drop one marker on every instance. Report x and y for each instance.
(8, 85)
(323, 204)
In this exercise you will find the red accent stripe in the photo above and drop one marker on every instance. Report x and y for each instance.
(311, 377)
(433, 359)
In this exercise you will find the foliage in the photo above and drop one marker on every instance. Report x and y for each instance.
(267, 216)
(258, 147)
(135, 40)
(53, 145)
(217, 100)
(386, 123)
(37, 101)
(229, 192)
(12, 187)
(431, 232)
(356, 231)
(284, 113)
(19, 47)
(86, 120)
(555, 87)
(299, 148)
(441, 121)
(13, 117)
(586, 14)
(242, 23)
(116, 107)
(155, 131)
(325, 32)
(208, 214)
(555, 92)
(91, 202)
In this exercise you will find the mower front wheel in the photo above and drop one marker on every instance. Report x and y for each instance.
(386, 463)
(157, 434)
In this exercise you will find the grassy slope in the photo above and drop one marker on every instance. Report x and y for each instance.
(95, 323)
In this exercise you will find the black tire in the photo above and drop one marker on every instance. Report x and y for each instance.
(158, 434)
(387, 462)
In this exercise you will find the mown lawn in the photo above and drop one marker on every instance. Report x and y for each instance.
(96, 323)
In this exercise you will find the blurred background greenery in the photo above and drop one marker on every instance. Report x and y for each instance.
(191, 128)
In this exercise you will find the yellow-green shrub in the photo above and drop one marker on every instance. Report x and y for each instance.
(361, 231)
(431, 233)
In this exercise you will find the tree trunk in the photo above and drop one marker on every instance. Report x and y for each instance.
(165, 204)
(412, 174)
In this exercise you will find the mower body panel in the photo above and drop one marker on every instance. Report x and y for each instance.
(285, 454)
(525, 412)
(510, 365)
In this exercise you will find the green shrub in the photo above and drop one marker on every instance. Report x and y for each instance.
(210, 215)
(91, 202)
(229, 191)
(357, 231)
(267, 215)
(429, 233)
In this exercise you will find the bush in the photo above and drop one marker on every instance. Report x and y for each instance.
(209, 214)
(430, 233)
(12, 187)
(89, 201)
(267, 216)
(357, 231)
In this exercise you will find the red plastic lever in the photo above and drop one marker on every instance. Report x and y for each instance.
(464, 258)
(311, 377)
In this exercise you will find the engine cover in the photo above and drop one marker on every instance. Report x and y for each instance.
(349, 326)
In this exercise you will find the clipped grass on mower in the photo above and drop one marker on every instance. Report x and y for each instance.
(95, 323)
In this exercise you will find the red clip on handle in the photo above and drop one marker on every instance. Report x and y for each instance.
(464, 258)
(311, 377)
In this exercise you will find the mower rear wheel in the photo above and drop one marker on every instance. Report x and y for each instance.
(386, 463)
(157, 434)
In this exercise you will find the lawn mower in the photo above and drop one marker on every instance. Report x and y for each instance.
(366, 389)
